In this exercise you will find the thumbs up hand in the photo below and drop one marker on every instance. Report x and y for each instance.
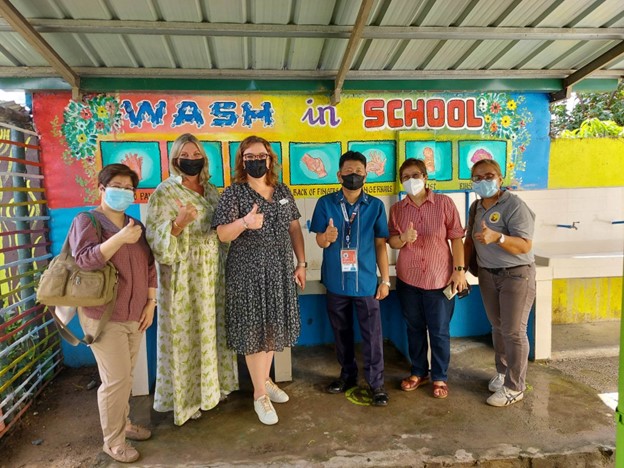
(487, 235)
(186, 214)
(253, 219)
(331, 233)
(130, 233)
(410, 234)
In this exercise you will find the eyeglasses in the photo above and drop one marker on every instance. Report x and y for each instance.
(415, 175)
(129, 189)
(257, 157)
(489, 176)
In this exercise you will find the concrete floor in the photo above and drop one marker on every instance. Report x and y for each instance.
(560, 423)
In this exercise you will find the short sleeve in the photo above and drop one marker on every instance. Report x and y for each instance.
(393, 228)
(227, 209)
(521, 222)
(381, 222)
(454, 228)
(319, 217)
(85, 244)
(295, 214)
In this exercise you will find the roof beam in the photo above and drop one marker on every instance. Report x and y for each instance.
(187, 73)
(354, 41)
(187, 28)
(21, 25)
(589, 69)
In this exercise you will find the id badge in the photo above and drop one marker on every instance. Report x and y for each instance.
(348, 259)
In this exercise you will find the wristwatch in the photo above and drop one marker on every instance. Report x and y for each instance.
(460, 268)
(387, 283)
(303, 264)
(501, 239)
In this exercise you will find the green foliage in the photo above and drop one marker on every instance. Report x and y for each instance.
(595, 128)
(587, 108)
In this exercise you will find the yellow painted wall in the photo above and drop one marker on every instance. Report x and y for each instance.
(586, 299)
(586, 162)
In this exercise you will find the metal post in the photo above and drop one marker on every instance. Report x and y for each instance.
(619, 416)
(19, 152)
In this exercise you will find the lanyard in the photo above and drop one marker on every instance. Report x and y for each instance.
(349, 220)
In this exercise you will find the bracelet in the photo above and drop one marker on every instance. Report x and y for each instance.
(153, 299)
(245, 225)
(303, 264)
(177, 226)
(387, 283)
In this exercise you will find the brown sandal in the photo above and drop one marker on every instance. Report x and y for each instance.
(412, 382)
(440, 390)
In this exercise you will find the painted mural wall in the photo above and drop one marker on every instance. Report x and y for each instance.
(449, 131)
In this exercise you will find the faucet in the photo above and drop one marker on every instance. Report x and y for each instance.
(617, 222)
(570, 226)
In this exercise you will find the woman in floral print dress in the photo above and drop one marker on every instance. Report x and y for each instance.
(258, 215)
(195, 367)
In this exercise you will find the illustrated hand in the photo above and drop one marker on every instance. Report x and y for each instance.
(186, 214)
(410, 235)
(487, 235)
(147, 316)
(130, 233)
(253, 219)
(331, 233)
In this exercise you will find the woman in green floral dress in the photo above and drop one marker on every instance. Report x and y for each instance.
(195, 367)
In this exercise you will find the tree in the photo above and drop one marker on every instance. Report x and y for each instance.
(605, 107)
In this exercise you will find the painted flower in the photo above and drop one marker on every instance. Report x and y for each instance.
(522, 148)
(506, 121)
(99, 126)
(85, 114)
(488, 118)
(495, 108)
(111, 107)
(102, 113)
(482, 105)
(511, 104)
(513, 136)
(81, 138)
(522, 124)
(493, 127)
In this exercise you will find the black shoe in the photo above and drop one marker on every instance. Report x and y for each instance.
(341, 385)
(380, 397)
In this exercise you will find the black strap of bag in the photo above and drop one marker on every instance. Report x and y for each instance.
(63, 329)
(473, 266)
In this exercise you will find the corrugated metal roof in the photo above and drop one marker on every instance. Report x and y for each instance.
(230, 39)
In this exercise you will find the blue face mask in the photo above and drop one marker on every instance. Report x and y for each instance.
(118, 199)
(485, 188)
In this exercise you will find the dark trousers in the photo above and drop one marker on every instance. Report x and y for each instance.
(340, 310)
(427, 310)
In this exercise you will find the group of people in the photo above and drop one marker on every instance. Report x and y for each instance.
(227, 280)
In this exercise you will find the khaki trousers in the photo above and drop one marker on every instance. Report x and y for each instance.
(508, 297)
(115, 351)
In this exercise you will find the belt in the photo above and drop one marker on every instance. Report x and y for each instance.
(498, 271)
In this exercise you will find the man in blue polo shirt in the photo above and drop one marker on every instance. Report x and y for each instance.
(351, 228)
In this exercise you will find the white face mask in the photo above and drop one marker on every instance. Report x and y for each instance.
(414, 186)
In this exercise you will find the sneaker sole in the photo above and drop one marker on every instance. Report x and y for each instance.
(508, 402)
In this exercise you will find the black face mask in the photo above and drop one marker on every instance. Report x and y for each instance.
(256, 168)
(353, 181)
(191, 167)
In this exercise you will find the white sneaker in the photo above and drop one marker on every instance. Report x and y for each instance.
(265, 411)
(276, 394)
(505, 397)
(496, 383)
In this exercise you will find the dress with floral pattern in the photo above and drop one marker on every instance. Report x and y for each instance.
(262, 308)
(195, 367)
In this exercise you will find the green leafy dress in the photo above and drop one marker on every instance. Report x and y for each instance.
(195, 367)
